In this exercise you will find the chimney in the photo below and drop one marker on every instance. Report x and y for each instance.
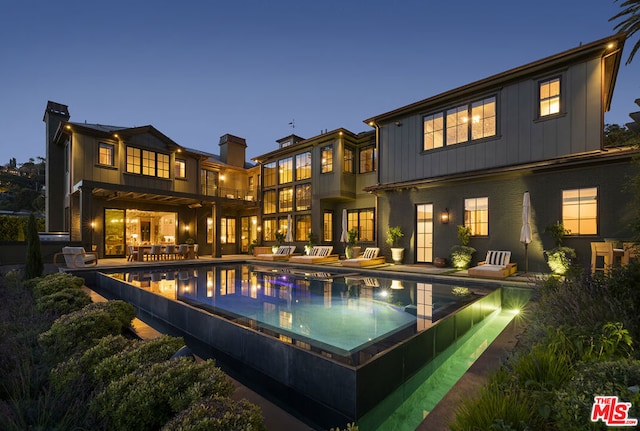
(54, 115)
(232, 150)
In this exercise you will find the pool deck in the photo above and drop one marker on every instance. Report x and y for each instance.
(444, 413)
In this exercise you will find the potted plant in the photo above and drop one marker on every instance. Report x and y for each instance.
(559, 258)
(190, 241)
(351, 250)
(311, 241)
(393, 239)
(461, 254)
(279, 242)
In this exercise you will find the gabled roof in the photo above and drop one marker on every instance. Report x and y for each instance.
(609, 49)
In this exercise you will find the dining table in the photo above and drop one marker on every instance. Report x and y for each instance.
(140, 251)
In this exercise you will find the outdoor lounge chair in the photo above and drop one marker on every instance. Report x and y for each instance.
(495, 265)
(75, 257)
(368, 258)
(318, 254)
(284, 252)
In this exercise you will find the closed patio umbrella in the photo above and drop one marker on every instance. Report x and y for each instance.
(525, 233)
(288, 237)
(345, 227)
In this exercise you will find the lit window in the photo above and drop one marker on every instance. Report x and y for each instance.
(269, 202)
(367, 159)
(457, 125)
(227, 230)
(209, 230)
(269, 174)
(327, 159)
(303, 166)
(285, 173)
(303, 227)
(106, 152)
(483, 118)
(580, 211)
(209, 182)
(303, 197)
(476, 216)
(327, 226)
(133, 160)
(348, 160)
(148, 162)
(285, 199)
(180, 168)
(362, 220)
(433, 131)
(549, 97)
(269, 229)
(163, 165)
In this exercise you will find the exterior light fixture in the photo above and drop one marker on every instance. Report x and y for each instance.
(444, 216)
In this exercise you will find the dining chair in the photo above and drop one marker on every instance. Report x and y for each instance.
(183, 249)
(605, 251)
(156, 252)
(169, 251)
(132, 253)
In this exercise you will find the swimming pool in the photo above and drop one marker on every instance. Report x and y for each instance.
(343, 340)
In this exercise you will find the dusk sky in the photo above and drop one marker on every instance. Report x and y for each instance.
(196, 70)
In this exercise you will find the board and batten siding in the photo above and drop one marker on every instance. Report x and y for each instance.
(521, 137)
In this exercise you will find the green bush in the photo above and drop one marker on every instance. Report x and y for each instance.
(56, 282)
(82, 329)
(78, 371)
(542, 369)
(63, 302)
(34, 265)
(572, 407)
(218, 414)
(149, 397)
(139, 354)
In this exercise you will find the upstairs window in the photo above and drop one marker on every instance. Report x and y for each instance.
(303, 166)
(163, 165)
(285, 170)
(549, 97)
(367, 159)
(106, 152)
(327, 159)
(348, 160)
(148, 162)
(285, 199)
(269, 174)
(180, 168)
(134, 160)
(303, 197)
(472, 121)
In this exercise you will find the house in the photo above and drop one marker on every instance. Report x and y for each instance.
(466, 157)
(112, 187)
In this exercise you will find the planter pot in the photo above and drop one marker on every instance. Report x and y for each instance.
(439, 262)
(352, 251)
(397, 254)
(274, 249)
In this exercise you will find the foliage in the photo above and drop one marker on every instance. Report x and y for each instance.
(280, 237)
(312, 239)
(352, 236)
(218, 414)
(619, 136)
(394, 233)
(464, 234)
(63, 302)
(630, 24)
(611, 341)
(190, 241)
(542, 369)
(56, 282)
(557, 232)
(13, 228)
(82, 329)
(147, 398)
(350, 427)
(34, 264)
(560, 259)
(461, 256)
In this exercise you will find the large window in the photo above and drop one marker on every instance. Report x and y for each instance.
(227, 230)
(472, 121)
(134, 160)
(363, 221)
(148, 162)
(327, 226)
(549, 97)
(327, 159)
(303, 227)
(476, 215)
(348, 160)
(269, 174)
(209, 182)
(285, 172)
(367, 159)
(163, 165)
(106, 154)
(303, 197)
(270, 229)
(269, 202)
(303, 166)
(580, 211)
(285, 199)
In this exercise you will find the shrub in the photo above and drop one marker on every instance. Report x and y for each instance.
(34, 265)
(572, 407)
(63, 302)
(81, 329)
(142, 353)
(542, 369)
(78, 371)
(218, 414)
(53, 283)
(147, 398)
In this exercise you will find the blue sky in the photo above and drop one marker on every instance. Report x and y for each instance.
(196, 70)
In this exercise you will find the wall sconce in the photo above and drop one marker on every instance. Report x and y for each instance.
(398, 124)
(444, 216)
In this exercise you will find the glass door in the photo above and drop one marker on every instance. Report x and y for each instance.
(424, 233)
(114, 240)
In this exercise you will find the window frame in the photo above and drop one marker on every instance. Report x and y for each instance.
(111, 153)
(134, 160)
(326, 159)
(269, 203)
(580, 206)
(285, 199)
(473, 225)
(327, 226)
(357, 219)
(349, 165)
(303, 198)
(303, 166)
(367, 163)
(285, 170)
(548, 99)
(269, 174)
(180, 168)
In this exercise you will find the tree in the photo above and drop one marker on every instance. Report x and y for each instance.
(631, 23)
(618, 136)
(34, 266)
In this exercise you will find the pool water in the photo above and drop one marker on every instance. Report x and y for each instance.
(349, 316)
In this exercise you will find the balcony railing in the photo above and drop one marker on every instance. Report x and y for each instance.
(230, 193)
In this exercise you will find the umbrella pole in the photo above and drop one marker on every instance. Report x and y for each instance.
(526, 258)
